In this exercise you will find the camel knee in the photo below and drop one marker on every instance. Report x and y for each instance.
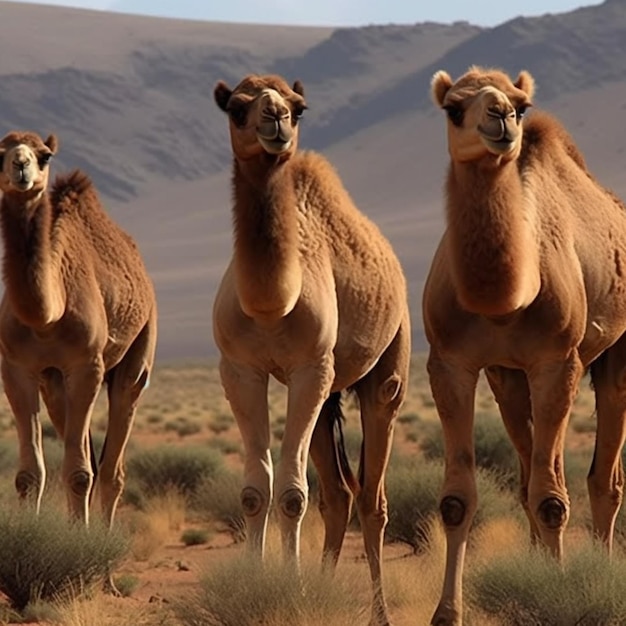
(338, 503)
(253, 502)
(389, 390)
(293, 503)
(79, 483)
(27, 484)
(553, 513)
(372, 515)
(453, 511)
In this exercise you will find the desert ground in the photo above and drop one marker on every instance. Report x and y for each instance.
(184, 411)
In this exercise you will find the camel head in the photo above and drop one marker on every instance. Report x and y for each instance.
(263, 114)
(485, 111)
(24, 162)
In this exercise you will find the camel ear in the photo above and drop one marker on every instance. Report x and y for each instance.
(53, 143)
(440, 83)
(222, 94)
(298, 88)
(526, 83)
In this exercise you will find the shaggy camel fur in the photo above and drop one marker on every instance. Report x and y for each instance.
(78, 310)
(528, 283)
(316, 297)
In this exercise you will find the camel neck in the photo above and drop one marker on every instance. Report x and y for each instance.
(31, 269)
(266, 255)
(493, 244)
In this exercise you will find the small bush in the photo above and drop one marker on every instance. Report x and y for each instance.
(235, 594)
(185, 468)
(195, 536)
(46, 556)
(530, 589)
(126, 584)
(220, 499)
(413, 490)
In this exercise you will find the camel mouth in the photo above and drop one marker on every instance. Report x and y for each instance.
(499, 146)
(275, 146)
(23, 184)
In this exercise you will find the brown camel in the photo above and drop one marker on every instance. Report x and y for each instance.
(528, 283)
(78, 310)
(315, 297)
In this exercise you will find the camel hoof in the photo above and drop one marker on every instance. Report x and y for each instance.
(553, 513)
(446, 616)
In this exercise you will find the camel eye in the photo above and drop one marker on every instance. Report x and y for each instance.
(521, 111)
(44, 159)
(455, 114)
(238, 115)
(298, 111)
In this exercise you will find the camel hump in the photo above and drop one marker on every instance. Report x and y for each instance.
(68, 189)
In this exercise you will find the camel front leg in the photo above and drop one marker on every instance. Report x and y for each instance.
(308, 388)
(82, 386)
(246, 391)
(453, 388)
(22, 392)
(553, 387)
(510, 388)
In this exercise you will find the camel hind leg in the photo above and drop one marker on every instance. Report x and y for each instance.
(510, 388)
(605, 481)
(337, 484)
(125, 384)
(381, 394)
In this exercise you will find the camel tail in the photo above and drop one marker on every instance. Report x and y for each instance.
(336, 419)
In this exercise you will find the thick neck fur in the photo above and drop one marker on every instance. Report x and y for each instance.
(30, 266)
(267, 261)
(493, 245)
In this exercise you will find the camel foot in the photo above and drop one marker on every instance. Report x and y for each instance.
(445, 615)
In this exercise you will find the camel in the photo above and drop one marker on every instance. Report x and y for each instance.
(78, 310)
(527, 284)
(314, 296)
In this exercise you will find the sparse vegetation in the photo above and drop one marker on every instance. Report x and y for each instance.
(274, 599)
(158, 470)
(195, 536)
(47, 557)
(529, 589)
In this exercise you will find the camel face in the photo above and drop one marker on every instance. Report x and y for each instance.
(263, 115)
(485, 112)
(24, 161)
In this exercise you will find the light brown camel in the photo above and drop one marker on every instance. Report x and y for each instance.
(315, 297)
(78, 310)
(528, 283)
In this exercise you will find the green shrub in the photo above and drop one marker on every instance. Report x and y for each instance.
(413, 490)
(46, 556)
(532, 590)
(235, 594)
(126, 584)
(183, 468)
(219, 498)
(195, 536)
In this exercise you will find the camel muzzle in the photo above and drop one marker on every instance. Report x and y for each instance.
(272, 129)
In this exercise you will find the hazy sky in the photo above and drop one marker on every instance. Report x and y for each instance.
(333, 12)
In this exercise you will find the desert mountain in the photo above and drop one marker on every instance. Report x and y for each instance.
(131, 101)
